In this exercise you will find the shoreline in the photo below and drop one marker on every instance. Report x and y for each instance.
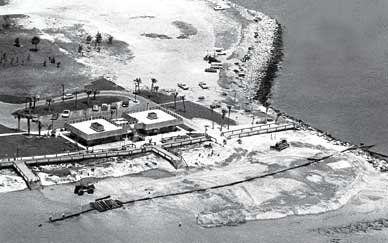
(264, 92)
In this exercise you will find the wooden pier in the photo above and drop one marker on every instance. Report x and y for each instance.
(33, 181)
(257, 130)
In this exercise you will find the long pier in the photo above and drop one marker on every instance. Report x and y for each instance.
(257, 130)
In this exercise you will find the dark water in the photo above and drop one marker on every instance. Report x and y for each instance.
(334, 73)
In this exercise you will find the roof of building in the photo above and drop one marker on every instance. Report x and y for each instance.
(161, 116)
(85, 126)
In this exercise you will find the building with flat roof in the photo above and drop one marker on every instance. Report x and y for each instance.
(96, 131)
(154, 121)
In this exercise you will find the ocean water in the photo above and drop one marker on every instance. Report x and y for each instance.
(334, 72)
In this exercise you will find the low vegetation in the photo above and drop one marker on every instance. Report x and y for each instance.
(22, 145)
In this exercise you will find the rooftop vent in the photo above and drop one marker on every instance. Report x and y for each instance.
(152, 116)
(97, 127)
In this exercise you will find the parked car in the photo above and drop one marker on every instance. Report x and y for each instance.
(210, 70)
(68, 96)
(66, 114)
(216, 65)
(219, 51)
(104, 107)
(201, 97)
(183, 86)
(125, 103)
(203, 85)
(219, 8)
(95, 108)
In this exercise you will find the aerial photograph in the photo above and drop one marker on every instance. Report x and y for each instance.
(194, 121)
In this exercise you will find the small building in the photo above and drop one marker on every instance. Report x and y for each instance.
(154, 121)
(96, 131)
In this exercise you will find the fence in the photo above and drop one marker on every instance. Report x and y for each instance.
(256, 130)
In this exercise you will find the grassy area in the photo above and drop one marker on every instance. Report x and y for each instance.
(33, 145)
(194, 110)
(4, 129)
(158, 98)
(22, 70)
(70, 105)
(103, 84)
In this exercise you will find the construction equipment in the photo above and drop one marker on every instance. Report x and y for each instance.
(84, 186)
(279, 146)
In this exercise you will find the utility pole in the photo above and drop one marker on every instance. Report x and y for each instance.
(212, 111)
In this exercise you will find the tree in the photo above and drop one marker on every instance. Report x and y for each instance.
(223, 111)
(49, 101)
(44, 63)
(175, 94)
(153, 82)
(95, 92)
(88, 93)
(34, 99)
(80, 48)
(183, 101)
(98, 38)
(212, 107)
(17, 42)
(156, 88)
(35, 41)
(110, 40)
(137, 84)
(88, 39)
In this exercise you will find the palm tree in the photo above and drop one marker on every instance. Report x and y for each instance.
(34, 99)
(153, 82)
(223, 117)
(137, 84)
(184, 105)
(95, 92)
(175, 96)
(49, 101)
(156, 88)
(98, 38)
(229, 109)
(88, 93)
(17, 42)
(35, 41)
(212, 107)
